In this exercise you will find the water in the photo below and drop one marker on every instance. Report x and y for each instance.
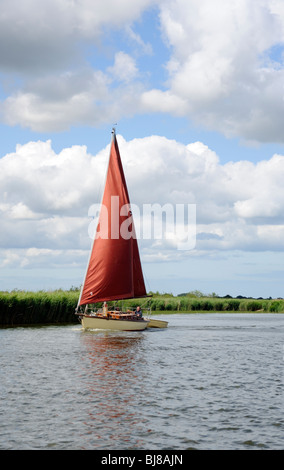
(209, 381)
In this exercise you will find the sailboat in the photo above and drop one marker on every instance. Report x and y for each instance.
(114, 270)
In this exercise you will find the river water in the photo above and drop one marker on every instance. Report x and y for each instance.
(208, 381)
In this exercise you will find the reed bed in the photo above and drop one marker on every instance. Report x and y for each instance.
(21, 307)
(28, 308)
(191, 304)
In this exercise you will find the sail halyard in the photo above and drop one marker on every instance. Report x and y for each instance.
(114, 270)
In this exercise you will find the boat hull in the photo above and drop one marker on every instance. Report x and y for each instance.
(90, 322)
(153, 323)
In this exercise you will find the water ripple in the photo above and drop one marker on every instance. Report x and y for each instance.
(207, 382)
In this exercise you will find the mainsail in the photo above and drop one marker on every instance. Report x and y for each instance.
(114, 271)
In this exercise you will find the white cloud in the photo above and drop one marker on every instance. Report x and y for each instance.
(37, 35)
(47, 183)
(163, 101)
(48, 77)
(222, 64)
(124, 68)
(57, 102)
(225, 67)
(45, 198)
(41, 258)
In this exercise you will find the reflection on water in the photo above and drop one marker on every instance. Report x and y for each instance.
(113, 371)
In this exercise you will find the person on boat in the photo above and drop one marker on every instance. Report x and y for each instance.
(105, 309)
(138, 312)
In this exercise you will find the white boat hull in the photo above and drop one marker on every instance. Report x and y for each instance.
(90, 322)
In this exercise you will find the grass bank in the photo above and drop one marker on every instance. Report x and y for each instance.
(28, 308)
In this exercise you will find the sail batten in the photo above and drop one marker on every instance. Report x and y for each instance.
(114, 271)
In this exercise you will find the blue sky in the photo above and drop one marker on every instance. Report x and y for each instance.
(196, 89)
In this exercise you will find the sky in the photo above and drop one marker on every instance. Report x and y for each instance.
(195, 90)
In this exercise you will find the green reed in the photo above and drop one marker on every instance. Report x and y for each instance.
(196, 304)
(21, 307)
(51, 307)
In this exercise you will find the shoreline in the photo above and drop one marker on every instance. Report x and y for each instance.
(58, 307)
(157, 314)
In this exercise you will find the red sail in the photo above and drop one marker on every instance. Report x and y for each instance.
(114, 271)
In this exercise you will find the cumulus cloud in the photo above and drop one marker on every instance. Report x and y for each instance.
(226, 64)
(38, 35)
(49, 82)
(224, 68)
(45, 198)
(55, 103)
(47, 183)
